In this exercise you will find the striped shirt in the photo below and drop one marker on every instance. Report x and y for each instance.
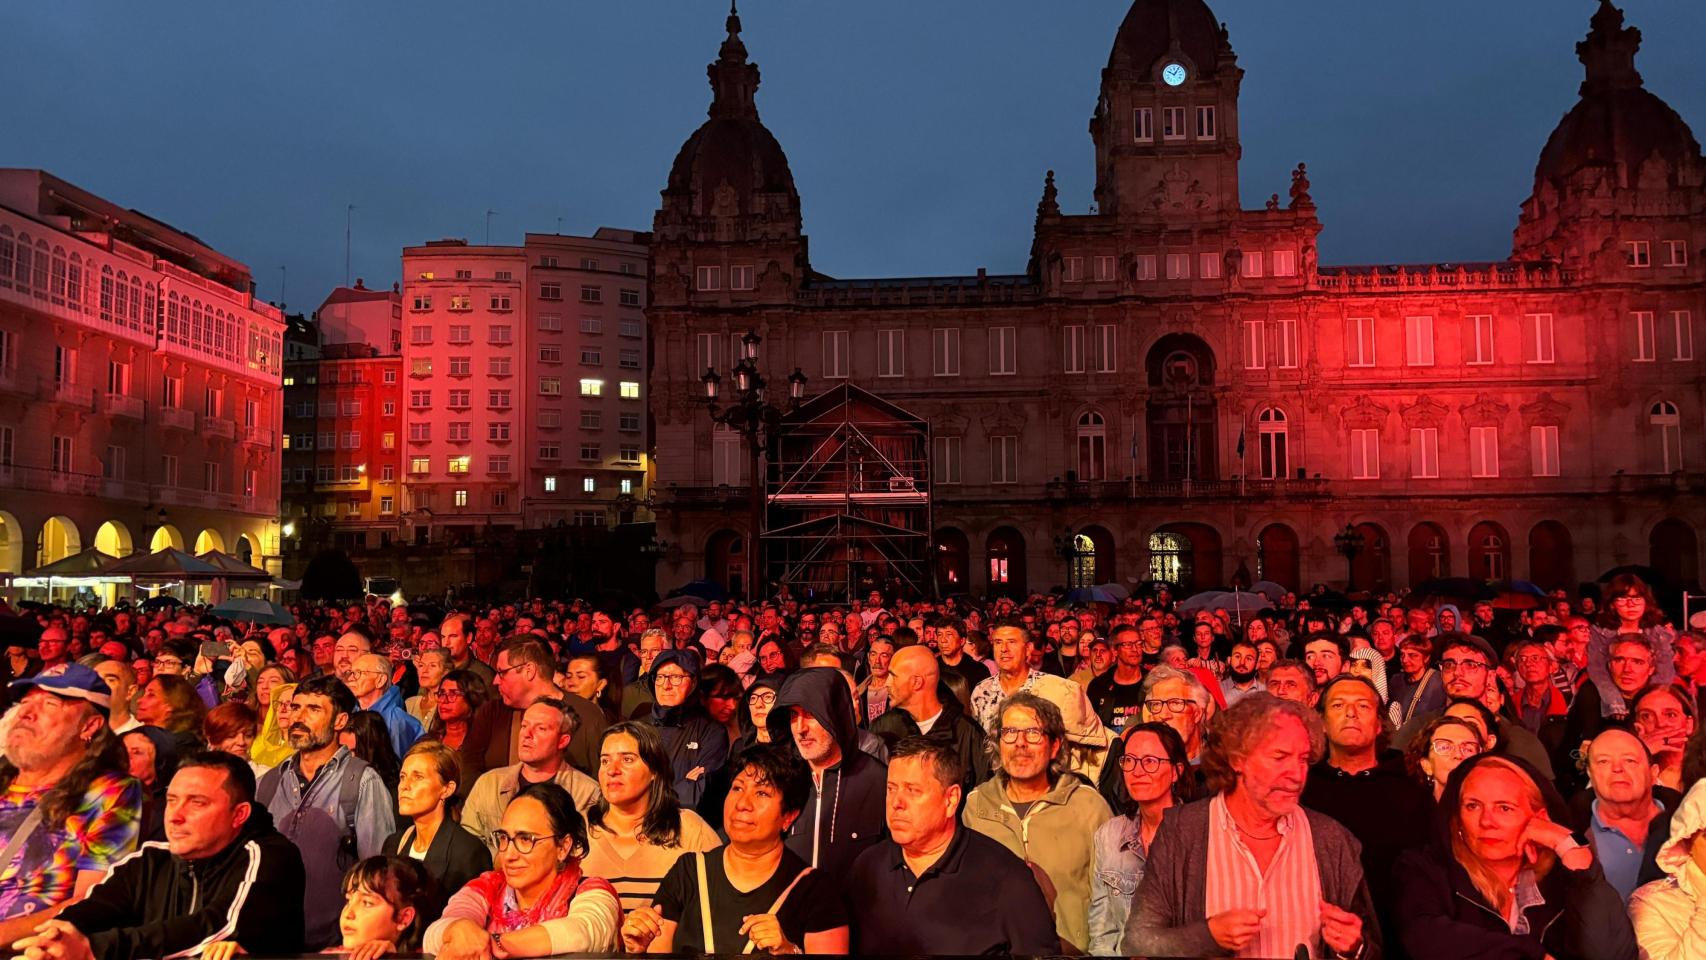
(637, 875)
(1290, 891)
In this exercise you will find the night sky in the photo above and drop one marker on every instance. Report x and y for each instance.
(918, 130)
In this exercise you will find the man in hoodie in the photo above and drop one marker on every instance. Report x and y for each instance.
(844, 813)
(370, 681)
(1037, 798)
(224, 873)
(697, 745)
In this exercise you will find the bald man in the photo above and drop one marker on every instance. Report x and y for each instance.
(920, 704)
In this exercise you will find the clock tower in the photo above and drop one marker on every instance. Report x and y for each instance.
(1166, 124)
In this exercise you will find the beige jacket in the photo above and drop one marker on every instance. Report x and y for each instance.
(492, 792)
(1670, 914)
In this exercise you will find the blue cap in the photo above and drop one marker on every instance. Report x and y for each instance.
(71, 680)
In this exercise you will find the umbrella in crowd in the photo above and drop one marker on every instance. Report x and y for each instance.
(1267, 588)
(1091, 595)
(705, 590)
(254, 610)
(164, 601)
(1237, 602)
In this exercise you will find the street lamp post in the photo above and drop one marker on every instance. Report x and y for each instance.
(755, 418)
(1349, 543)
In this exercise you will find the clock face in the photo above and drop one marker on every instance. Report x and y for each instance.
(1173, 74)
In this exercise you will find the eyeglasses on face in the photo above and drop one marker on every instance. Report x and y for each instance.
(1129, 762)
(1032, 735)
(672, 679)
(1467, 666)
(524, 842)
(762, 698)
(449, 693)
(1171, 705)
(1461, 751)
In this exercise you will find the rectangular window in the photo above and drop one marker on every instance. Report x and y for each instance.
(947, 468)
(592, 420)
(459, 498)
(348, 473)
(592, 388)
(499, 463)
(420, 465)
(551, 322)
(945, 352)
(592, 295)
(740, 278)
(835, 354)
(1172, 123)
(1285, 343)
(389, 377)
(1004, 459)
(588, 263)
(1676, 253)
(1645, 349)
(388, 408)
(1178, 266)
(628, 422)
(1208, 266)
(1251, 265)
(420, 335)
(458, 431)
(550, 484)
(64, 365)
(113, 467)
(551, 386)
(497, 399)
(709, 278)
(1419, 341)
(628, 359)
(1682, 323)
(458, 464)
(169, 469)
(172, 392)
(592, 325)
(461, 366)
(891, 353)
(352, 440)
(1479, 329)
(1540, 342)
(500, 301)
(1543, 441)
(553, 354)
(459, 399)
(1104, 269)
(1205, 123)
(461, 302)
(629, 389)
(1143, 125)
(1639, 253)
(210, 476)
(388, 473)
(590, 451)
(388, 440)
(1284, 263)
(628, 454)
(592, 357)
(628, 328)
(1359, 342)
(550, 291)
(420, 367)
(6, 446)
(421, 302)
(1143, 266)
(387, 505)
(497, 366)
(1365, 454)
(498, 431)
(1424, 453)
(1003, 345)
(589, 485)
(1073, 350)
(1104, 347)
(460, 333)
(1483, 451)
(707, 353)
(1072, 269)
(420, 432)
(1255, 345)
(501, 334)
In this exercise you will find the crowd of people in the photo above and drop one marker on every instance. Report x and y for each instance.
(1391, 777)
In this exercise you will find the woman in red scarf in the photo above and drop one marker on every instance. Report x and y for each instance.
(536, 903)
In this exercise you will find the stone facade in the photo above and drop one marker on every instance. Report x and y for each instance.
(1177, 388)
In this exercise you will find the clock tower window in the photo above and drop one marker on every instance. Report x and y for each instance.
(1205, 123)
(1173, 123)
(1143, 125)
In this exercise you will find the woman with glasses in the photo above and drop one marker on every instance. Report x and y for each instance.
(538, 902)
(425, 792)
(460, 694)
(638, 828)
(1443, 743)
(272, 745)
(1630, 608)
(754, 894)
(1153, 777)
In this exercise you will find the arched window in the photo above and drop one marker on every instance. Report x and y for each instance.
(150, 311)
(25, 257)
(74, 280)
(8, 253)
(174, 327)
(1092, 446)
(1169, 557)
(1082, 572)
(136, 303)
(1667, 426)
(58, 288)
(39, 275)
(107, 287)
(1271, 432)
(121, 298)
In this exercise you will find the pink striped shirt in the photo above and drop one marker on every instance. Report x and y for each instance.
(1290, 891)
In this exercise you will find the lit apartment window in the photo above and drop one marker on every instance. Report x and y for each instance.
(388, 440)
(420, 466)
(460, 498)
(461, 302)
(630, 390)
(592, 388)
(458, 464)
(550, 484)
(421, 367)
(589, 485)
(627, 485)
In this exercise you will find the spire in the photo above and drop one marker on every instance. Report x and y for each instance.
(1049, 205)
(734, 81)
(1608, 53)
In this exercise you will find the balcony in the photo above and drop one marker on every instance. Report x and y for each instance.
(17, 384)
(124, 405)
(177, 418)
(1107, 490)
(74, 394)
(219, 427)
(721, 495)
(74, 484)
(258, 436)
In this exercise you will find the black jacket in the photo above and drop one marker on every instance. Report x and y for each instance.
(953, 727)
(1445, 918)
(454, 857)
(844, 813)
(154, 904)
(690, 737)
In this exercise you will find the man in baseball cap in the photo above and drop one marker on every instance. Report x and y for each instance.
(64, 787)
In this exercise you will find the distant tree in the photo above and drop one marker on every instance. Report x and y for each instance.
(331, 576)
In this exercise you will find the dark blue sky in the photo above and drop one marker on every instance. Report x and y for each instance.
(918, 130)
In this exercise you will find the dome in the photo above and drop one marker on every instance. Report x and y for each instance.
(1152, 28)
(1617, 122)
(732, 157)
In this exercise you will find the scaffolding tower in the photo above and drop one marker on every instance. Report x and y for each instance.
(847, 499)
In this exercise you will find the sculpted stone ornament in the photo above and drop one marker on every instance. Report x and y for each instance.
(1300, 188)
(1049, 206)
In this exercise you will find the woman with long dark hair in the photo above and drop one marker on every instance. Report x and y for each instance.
(369, 738)
(460, 695)
(388, 901)
(1630, 608)
(638, 827)
(1155, 774)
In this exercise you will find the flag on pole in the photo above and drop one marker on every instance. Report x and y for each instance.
(1240, 443)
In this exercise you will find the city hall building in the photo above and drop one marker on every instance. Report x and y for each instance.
(1176, 387)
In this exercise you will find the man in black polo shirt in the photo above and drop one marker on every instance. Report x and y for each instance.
(935, 887)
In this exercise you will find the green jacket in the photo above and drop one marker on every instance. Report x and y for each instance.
(1064, 823)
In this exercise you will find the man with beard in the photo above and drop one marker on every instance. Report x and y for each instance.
(1117, 695)
(1364, 786)
(1241, 679)
(63, 787)
(1467, 663)
(844, 813)
(328, 801)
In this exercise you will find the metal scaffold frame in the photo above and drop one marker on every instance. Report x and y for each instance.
(847, 498)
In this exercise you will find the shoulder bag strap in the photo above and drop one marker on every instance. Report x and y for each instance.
(705, 906)
(774, 907)
(1416, 697)
(26, 827)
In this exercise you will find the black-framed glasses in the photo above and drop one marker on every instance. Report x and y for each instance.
(1171, 705)
(673, 679)
(524, 842)
(765, 698)
(1130, 762)
(1032, 735)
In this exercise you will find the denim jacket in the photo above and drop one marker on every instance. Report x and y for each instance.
(1117, 868)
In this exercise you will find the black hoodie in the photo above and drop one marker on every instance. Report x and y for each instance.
(844, 813)
(691, 738)
(155, 904)
(1444, 916)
